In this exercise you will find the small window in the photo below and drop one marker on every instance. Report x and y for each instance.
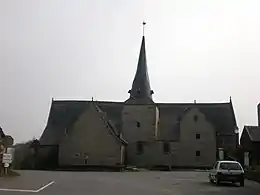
(86, 158)
(195, 118)
(166, 147)
(197, 136)
(140, 148)
(138, 124)
(197, 153)
(66, 131)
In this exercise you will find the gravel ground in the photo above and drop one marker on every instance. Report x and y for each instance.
(120, 183)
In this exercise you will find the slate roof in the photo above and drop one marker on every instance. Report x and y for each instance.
(253, 132)
(64, 113)
(221, 115)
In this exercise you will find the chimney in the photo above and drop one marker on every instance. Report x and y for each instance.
(258, 114)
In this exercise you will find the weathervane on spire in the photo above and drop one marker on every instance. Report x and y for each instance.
(144, 23)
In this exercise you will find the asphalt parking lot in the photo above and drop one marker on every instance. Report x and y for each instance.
(119, 183)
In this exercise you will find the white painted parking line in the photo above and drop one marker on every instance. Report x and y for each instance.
(30, 191)
(16, 190)
(43, 187)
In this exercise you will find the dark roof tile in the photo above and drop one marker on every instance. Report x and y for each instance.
(253, 132)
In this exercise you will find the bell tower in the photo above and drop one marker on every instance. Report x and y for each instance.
(140, 114)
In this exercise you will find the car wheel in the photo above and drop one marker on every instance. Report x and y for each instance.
(217, 182)
(242, 183)
(211, 180)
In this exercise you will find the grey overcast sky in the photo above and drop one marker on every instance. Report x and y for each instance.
(206, 50)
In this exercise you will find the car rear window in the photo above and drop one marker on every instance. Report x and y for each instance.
(230, 166)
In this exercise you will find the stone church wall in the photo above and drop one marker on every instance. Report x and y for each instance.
(197, 140)
(90, 143)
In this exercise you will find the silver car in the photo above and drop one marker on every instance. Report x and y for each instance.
(227, 171)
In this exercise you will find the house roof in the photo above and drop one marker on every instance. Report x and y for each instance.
(253, 132)
(2, 132)
(63, 114)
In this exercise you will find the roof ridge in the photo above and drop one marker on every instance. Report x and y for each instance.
(190, 103)
(251, 126)
(84, 101)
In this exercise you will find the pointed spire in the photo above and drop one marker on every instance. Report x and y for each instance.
(141, 85)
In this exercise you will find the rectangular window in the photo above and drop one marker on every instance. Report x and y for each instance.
(197, 153)
(140, 147)
(195, 118)
(230, 166)
(197, 136)
(166, 147)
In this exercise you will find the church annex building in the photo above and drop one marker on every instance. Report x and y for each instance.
(138, 131)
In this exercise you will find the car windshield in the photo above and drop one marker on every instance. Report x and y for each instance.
(230, 166)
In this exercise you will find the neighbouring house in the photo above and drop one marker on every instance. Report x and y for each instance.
(5, 140)
(138, 131)
(250, 142)
(2, 135)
